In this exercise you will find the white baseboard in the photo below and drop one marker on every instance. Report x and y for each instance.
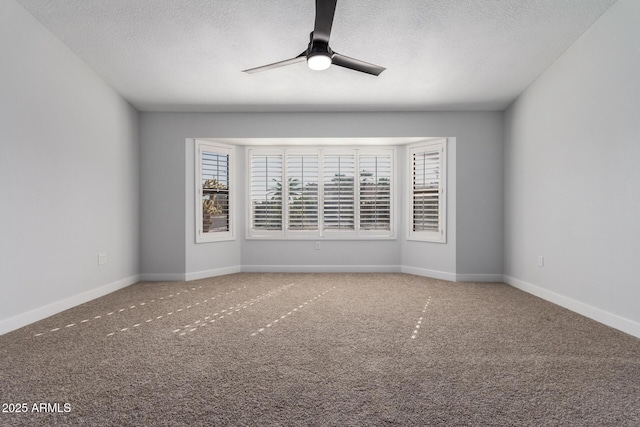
(162, 277)
(479, 278)
(321, 268)
(24, 319)
(434, 274)
(212, 273)
(442, 275)
(613, 320)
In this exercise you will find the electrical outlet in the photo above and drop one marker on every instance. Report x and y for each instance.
(317, 246)
(102, 259)
(540, 261)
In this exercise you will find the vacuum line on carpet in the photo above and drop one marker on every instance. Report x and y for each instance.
(227, 312)
(284, 316)
(171, 312)
(183, 291)
(419, 323)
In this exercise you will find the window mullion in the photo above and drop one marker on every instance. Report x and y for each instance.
(200, 194)
(284, 202)
(356, 193)
(441, 195)
(321, 193)
(392, 191)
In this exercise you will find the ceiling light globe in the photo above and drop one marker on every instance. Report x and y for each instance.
(319, 62)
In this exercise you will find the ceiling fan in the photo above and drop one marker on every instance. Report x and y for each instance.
(318, 54)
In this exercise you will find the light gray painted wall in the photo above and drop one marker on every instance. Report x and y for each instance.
(162, 198)
(168, 244)
(572, 173)
(68, 176)
(479, 194)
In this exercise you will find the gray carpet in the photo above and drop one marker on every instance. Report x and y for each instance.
(320, 349)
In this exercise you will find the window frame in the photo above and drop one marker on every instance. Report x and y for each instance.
(439, 236)
(321, 233)
(219, 148)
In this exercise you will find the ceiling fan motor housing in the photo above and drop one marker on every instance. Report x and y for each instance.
(319, 47)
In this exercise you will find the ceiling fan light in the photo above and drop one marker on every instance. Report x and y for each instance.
(319, 62)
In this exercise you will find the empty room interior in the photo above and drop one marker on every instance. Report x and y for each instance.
(436, 223)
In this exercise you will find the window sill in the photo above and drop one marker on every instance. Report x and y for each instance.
(325, 238)
(221, 239)
(414, 239)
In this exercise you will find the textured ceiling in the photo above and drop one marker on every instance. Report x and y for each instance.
(187, 55)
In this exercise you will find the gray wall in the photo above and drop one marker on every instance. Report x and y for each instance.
(162, 198)
(572, 175)
(167, 176)
(479, 199)
(68, 176)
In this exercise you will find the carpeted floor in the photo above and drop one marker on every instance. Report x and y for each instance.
(319, 349)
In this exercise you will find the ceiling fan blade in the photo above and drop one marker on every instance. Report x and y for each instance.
(356, 64)
(300, 58)
(325, 9)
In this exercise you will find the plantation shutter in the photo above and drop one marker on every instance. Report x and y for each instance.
(339, 194)
(375, 191)
(266, 191)
(427, 191)
(215, 191)
(302, 181)
(333, 193)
